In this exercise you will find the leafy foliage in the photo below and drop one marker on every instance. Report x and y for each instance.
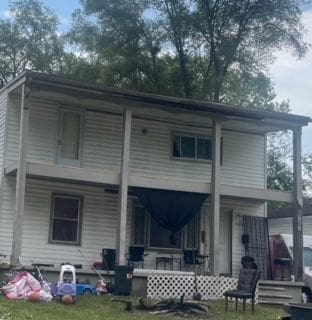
(210, 45)
(215, 50)
(279, 172)
(29, 40)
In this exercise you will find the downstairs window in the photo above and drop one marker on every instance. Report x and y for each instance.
(65, 219)
(146, 231)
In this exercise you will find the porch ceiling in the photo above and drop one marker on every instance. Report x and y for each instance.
(105, 178)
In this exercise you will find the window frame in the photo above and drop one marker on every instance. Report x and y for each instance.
(64, 161)
(197, 240)
(79, 222)
(147, 232)
(149, 246)
(196, 137)
(136, 205)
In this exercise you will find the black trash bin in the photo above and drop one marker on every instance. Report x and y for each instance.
(123, 280)
(109, 258)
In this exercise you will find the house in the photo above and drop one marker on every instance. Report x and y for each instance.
(280, 219)
(74, 157)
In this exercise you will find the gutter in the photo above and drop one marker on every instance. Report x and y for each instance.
(237, 113)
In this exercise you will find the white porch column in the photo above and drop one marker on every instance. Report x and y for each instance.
(123, 189)
(215, 200)
(20, 179)
(298, 204)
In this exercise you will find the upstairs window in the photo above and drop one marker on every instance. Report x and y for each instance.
(70, 137)
(191, 147)
(65, 219)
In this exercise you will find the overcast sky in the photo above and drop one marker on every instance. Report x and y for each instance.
(293, 81)
(292, 77)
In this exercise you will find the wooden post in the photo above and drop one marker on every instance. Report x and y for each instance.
(123, 190)
(215, 200)
(297, 207)
(20, 179)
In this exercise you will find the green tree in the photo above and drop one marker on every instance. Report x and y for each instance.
(307, 174)
(136, 41)
(279, 171)
(116, 35)
(29, 40)
(242, 35)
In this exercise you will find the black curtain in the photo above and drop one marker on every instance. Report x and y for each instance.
(171, 209)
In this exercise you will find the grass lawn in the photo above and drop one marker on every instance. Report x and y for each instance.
(97, 307)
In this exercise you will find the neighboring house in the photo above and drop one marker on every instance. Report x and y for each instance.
(72, 153)
(280, 219)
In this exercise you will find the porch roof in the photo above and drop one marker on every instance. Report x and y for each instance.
(125, 98)
(111, 180)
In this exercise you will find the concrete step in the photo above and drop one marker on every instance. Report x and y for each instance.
(274, 296)
(269, 288)
(271, 303)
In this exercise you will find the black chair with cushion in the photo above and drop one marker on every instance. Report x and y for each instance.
(192, 259)
(246, 288)
(136, 256)
(248, 262)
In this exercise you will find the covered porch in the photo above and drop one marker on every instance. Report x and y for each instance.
(130, 106)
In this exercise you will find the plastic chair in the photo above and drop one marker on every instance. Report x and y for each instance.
(192, 259)
(246, 288)
(136, 256)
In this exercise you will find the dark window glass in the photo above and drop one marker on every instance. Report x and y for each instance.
(192, 148)
(65, 219)
(203, 149)
(176, 146)
(191, 234)
(66, 208)
(188, 147)
(64, 230)
(139, 226)
(160, 237)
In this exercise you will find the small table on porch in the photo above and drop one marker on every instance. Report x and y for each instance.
(168, 260)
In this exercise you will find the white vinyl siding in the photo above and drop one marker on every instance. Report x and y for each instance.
(43, 132)
(3, 108)
(150, 154)
(102, 141)
(243, 160)
(99, 226)
(151, 146)
(13, 128)
(7, 216)
(243, 155)
(284, 225)
(99, 223)
(3, 117)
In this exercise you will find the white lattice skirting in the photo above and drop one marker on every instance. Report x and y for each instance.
(164, 286)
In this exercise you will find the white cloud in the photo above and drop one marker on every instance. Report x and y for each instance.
(293, 81)
(5, 13)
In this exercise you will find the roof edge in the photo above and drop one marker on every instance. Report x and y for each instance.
(190, 104)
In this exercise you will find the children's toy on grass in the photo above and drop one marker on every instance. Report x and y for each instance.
(66, 285)
(84, 289)
(25, 286)
(67, 299)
